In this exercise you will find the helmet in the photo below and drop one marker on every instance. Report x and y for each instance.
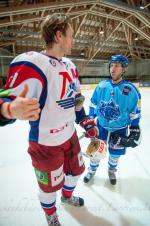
(121, 59)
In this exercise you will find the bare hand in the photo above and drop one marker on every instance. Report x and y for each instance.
(22, 108)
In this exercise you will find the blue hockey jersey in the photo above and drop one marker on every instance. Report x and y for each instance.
(116, 105)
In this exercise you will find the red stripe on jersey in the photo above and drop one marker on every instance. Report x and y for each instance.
(22, 73)
(66, 77)
(75, 73)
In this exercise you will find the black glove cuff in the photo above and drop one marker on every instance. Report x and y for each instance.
(135, 129)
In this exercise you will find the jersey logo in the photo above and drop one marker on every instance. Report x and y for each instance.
(42, 177)
(126, 90)
(57, 176)
(66, 78)
(109, 110)
(52, 62)
(68, 91)
(66, 103)
(69, 100)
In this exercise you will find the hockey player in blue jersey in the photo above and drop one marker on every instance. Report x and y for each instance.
(116, 104)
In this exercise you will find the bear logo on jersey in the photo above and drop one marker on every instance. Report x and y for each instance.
(109, 110)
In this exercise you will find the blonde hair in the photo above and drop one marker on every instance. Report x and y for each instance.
(52, 24)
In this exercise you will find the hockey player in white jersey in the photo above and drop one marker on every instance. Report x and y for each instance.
(53, 143)
(116, 104)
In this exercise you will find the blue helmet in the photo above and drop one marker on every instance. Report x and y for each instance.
(121, 59)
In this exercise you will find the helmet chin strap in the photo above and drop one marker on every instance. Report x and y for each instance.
(119, 77)
(117, 80)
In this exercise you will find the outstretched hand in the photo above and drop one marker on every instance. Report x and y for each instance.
(21, 107)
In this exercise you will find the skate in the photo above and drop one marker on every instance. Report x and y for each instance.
(52, 220)
(88, 177)
(112, 176)
(73, 201)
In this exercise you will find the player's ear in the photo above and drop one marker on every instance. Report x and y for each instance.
(58, 36)
(125, 69)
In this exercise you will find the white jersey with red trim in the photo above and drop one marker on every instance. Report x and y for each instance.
(54, 83)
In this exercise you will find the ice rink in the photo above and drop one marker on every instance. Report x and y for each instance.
(126, 204)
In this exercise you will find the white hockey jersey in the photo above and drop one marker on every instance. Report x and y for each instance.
(54, 83)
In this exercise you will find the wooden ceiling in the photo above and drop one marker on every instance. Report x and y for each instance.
(102, 27)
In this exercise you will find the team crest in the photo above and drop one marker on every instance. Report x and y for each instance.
(109, 110)
(68, 101)
(41, 176)
(52, 62)
(126, 90)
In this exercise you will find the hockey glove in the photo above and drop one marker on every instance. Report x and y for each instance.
(90, 127)
(132, 140)
(96, 149)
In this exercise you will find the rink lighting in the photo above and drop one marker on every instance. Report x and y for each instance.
(141, 7)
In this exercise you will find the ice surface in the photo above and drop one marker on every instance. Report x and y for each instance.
(128, 203)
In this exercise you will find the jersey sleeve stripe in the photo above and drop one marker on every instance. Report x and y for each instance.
(21, 71)
(26, 70)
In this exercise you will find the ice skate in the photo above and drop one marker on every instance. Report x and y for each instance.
(112, 176)
(52, 220)
(88, 177)
(73, 201)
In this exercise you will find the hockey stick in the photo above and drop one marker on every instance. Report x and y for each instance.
(82, 136)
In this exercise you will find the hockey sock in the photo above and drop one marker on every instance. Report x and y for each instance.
(113, 161)
(69, 185)
(94, 164)
(48, 201)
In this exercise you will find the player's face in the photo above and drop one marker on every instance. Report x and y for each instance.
(116, 71)
(67, 41)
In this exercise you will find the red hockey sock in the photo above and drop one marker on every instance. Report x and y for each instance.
(50, 211)
(66, 193)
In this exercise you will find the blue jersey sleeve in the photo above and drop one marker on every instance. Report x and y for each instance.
(135, 106)
(93, 104)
